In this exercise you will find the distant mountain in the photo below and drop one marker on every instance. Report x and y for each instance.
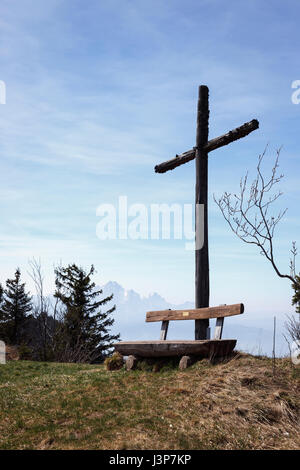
(131, 300)
(131, 310)
(130, 322)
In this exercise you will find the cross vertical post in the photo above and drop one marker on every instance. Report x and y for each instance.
(200, 154)
(201, 189)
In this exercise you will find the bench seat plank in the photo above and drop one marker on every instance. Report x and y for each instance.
(169, 348)
(195, 314)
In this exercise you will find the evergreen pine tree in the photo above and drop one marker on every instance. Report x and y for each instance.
(85, 328)
(15, 308)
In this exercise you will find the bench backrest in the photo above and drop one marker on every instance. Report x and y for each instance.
(195, 314)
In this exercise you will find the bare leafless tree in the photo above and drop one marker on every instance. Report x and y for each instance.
(78, 352)
(292, 336)
(36, 275)
(44, 312)
(248, 214)
(292, 326)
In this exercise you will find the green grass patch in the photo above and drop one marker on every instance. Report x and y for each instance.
(79, 406)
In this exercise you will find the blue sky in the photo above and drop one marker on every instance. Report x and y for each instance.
(99, 92)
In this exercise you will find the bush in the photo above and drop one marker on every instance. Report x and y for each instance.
(115, 362)
(25, 353)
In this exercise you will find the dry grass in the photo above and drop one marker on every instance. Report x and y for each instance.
(233, 405)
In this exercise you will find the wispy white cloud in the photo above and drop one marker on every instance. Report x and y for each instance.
(98, 93)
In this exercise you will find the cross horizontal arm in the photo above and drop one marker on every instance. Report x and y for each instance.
(212, 144)
(177, 161)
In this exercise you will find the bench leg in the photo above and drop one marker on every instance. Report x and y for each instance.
(185, 362)
(164, 330)
(219, 328)
(131, 362)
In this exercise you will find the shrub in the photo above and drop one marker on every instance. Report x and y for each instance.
(25, 352)
(114, 362)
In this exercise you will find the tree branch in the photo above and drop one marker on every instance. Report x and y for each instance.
(248, 216)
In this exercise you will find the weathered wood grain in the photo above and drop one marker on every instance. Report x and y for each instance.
(212, 144)
(201, 190)
(204, 348)
(196, 313)
(231, 136)
(175, 162)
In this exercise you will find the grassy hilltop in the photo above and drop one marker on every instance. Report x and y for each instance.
(233, 405)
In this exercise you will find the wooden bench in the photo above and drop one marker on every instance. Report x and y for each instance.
(209, 348)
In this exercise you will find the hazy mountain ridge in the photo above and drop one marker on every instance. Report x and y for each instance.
(131, 310)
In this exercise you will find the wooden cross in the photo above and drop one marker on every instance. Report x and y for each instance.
(200, 153)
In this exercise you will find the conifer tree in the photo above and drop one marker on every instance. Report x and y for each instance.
(15, 308)
(84, 335)
(296, 296)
